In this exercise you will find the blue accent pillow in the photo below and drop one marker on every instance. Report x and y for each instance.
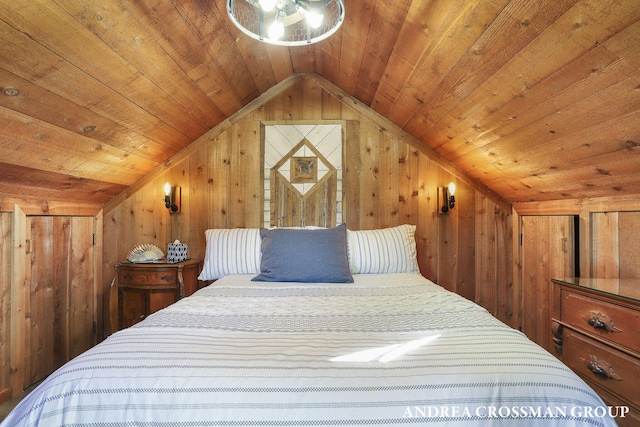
(301, 255)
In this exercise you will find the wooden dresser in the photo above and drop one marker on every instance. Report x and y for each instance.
(146, 288)
(596, 328)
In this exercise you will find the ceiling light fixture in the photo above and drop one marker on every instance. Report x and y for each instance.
(287, 22)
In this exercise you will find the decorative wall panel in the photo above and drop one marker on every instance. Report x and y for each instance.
(302, 175)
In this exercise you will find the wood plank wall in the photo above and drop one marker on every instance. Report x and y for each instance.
(615, 245)
(5, 304)
(388, 180)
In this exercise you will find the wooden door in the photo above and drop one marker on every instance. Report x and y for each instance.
(61, 293)
(547, 252)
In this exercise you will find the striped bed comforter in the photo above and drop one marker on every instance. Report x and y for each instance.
(387, 350)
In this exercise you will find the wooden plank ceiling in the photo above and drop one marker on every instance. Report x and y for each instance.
(537, 100)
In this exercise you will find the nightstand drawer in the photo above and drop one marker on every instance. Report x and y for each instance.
(610, 321)
(147, 278)
(609, 368)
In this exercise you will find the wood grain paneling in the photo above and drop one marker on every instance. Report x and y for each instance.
(20, 276)
(5, 304)
(629, 245)
(537, 100)
(605, 245)
(615, 247)
(547, 252)
(493, 286)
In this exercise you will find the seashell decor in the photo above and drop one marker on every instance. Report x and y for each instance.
(145, 253)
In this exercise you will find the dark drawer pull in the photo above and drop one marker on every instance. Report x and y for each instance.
(601, 321)
(602, 369)
(127, 276)
(597, 323)
(168, 278)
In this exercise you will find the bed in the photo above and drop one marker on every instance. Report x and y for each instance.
(384, 347)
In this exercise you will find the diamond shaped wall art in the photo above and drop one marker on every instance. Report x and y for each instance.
(303, 175)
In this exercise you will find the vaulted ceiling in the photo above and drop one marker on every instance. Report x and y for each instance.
(537, 100)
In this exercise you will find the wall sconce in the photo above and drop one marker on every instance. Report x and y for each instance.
(172, 198)
(448, 197)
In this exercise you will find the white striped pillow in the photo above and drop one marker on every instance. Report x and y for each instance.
(389, 250)
(231, 251)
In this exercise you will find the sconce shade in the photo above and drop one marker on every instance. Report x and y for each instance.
(287, 22)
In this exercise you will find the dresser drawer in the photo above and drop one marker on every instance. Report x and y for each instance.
(147, 278)
(614, 370)
(610, 321)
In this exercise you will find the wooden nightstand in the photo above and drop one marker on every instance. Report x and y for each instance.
(596, 334)
(146, 288)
